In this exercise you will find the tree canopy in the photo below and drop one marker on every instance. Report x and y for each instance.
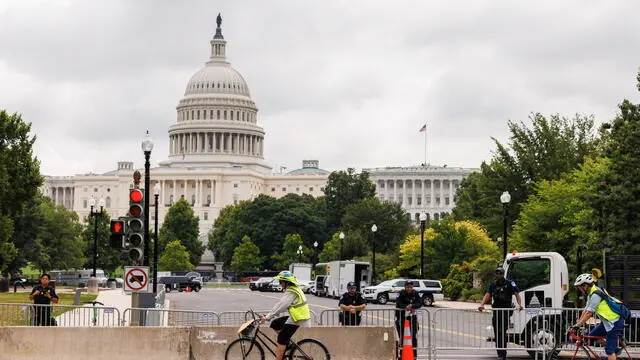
(345, 188)
(175, 258)
(181, 224)
(246, 256)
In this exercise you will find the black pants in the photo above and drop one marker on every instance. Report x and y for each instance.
(42, 316)
(413, 325)
(500, 322)
(346, 318)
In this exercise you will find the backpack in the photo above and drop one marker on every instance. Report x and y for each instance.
(616, 305)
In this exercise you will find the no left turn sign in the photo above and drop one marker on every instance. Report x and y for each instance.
(136, 279)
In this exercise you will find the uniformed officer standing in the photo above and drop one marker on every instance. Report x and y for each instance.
(42, 295)
(408, 300)
(501, 291)
(352, 303)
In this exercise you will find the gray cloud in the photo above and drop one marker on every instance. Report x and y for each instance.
(347, 83)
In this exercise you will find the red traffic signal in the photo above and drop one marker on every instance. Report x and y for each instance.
(136, 195)
(117, 227)
(136, 202)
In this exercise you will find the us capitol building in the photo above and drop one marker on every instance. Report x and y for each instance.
(216, 159)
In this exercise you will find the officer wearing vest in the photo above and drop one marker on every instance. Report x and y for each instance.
(501, 291)
(406, 304)
(611, 324)
(295, 302)
(351, 303)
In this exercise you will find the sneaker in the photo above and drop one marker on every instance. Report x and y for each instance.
(618, 351)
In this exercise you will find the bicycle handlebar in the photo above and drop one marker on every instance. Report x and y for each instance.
(94, 303)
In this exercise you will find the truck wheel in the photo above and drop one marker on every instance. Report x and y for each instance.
(196, 288)
(167, 289)
(540, 334)
(382, 298)
(427, 300)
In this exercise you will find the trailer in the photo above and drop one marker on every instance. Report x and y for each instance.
(341, 272)
(301, 271)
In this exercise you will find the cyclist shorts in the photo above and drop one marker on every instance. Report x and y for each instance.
(611, 336)
(286, 331)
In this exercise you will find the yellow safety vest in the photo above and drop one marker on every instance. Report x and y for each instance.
(603, 309)
(300, 310)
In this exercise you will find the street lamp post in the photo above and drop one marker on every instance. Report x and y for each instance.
(147, 147)
(341, 236)
(505, 198)
(95, 215)
(156, 194)
(374, 228)
(299, 252)
(423, 221)
(315, 255)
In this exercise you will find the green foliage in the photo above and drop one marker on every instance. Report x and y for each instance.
(546, 149)
(289, 253)
(181, 224)
(385, 264)
(246, 256)
(391, 219)
(175, 257)
(345, 188)
(59, 244)
(460, 277)
(331, 249)
(559, 216)
(267, 221)
(618, 198)
(109, 259)
(19, 182)
(459, 283)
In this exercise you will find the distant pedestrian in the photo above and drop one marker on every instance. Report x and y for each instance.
(501, 290)
(16, 280)
(42, 295)
(407, 302)
(352, 303)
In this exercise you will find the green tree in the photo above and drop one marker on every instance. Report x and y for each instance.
(19, 180)
(246, 256)
(289, 253)
(619, 192)
(343, 189)
(109, 259)
(267, 221)
(180, 223)
(546, 149)
(28, 226)
(175, 258)
(391, 219)
(559, 216)
(59, 243)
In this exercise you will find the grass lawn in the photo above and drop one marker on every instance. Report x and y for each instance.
(16, 315)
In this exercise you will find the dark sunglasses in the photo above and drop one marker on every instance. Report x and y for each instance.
(351, 287)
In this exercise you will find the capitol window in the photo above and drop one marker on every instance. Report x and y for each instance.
(206, 215)
(273, 189)
(235, 185)
(225, 115)
(310, 189)
(84, 203)
(284, 189)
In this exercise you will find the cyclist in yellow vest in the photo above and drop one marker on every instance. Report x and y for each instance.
(611, 324)
(293, 301)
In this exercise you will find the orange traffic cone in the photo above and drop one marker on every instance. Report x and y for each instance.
(407, 344)
(188, 289)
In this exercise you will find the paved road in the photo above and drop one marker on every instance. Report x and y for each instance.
(453, 328)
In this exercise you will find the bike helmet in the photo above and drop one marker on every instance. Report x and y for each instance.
(288, 278)
(583, 279)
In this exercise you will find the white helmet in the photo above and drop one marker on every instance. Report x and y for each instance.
(583, 279)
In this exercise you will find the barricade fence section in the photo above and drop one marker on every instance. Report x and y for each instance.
(58, 315)
(168, 317)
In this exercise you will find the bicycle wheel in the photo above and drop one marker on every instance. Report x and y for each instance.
(309, 349)
(244, 349)
(569, 350)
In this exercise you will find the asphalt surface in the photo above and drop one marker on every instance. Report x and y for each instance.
(464, 331)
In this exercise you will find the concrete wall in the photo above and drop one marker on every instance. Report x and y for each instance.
(354, 343)
(125, 343)
(179, 343)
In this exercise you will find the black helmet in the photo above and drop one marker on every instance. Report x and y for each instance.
(351, 285)
(408, 282)
(500, 270)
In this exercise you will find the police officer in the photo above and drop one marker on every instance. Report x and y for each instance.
(42, 295)
(408, 300)
(501, 291)
(352, 303)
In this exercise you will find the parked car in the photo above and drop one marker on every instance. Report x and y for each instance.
(306, 286)
(380, 293)
(263, 283)
(430, 291)
(274, 286)
(179, 283)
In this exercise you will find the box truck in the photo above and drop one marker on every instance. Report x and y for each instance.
(341, 272)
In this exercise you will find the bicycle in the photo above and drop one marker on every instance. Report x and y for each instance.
(577, 344)
(94, 315)
(252, 342)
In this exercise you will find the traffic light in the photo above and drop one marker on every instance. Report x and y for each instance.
(117, 234)
(135, 226)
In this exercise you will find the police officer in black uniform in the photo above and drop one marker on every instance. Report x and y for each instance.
(408, 300)
(42, 295)
(501, 290)
(351, 303)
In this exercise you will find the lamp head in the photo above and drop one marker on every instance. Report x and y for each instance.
(423, 217)
(505, 198)
(147, 143)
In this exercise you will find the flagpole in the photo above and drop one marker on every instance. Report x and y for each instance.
(425, 147)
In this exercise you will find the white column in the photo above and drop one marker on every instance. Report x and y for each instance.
(395, 191)
(184, 193)
(450, 193)
(213, 142)
(431, 201)
(197, 142)
(414, 202)
(162, 194)
(211, 192)
(218, 197)
(198, 190)
(174, 190)
(441, 193)
(63, 197)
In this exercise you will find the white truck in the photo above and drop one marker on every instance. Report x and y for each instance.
(302, 272)
(340, 273)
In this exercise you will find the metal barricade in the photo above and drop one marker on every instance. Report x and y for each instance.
(234, 318)
(456, 330)
(169, 317)
(58, 315)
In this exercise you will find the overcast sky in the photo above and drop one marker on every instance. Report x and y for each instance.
(349, 83)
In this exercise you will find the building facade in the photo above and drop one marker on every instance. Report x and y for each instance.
(216, 158)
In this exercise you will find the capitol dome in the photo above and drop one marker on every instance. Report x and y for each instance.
(216, 118)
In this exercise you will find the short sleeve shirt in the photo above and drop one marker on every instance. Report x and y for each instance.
(502, 294)
(41, 298)
(355, 299)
